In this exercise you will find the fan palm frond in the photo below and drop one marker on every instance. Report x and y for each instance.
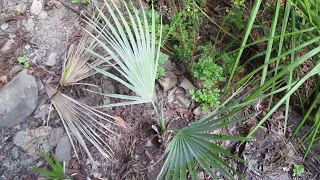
(131, 42)
(195, 144)
(76, 66)
(83, 122)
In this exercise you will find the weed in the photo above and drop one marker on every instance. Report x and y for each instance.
(162, 59)
(80, 1)
(208, 71)
(183, 30)
(57, 171)
(297, 170)
(23, 61)
(206, 97)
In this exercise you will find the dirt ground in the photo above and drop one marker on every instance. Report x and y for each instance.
(43, 40)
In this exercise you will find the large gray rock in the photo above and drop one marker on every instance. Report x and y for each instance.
(63, 149)
(18, 99)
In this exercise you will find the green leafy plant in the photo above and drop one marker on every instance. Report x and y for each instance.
(210, 73)
(80, 1)
(162, 59)
(56, 172)
(23, 61)
(297, 170)
(183, 30)
(207, 98)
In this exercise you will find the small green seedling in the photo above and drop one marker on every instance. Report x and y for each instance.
(80, 1)
(57, 170)
(297, 170)
(23, 61)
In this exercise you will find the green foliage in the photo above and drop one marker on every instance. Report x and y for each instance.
(297, 170)
(235, 17)
(183, 30)
(23, 61)
(162, 59)
(56, 172)
(80, 1)
(206, 97)
(208, 71)
(210, 74)
(238, 3)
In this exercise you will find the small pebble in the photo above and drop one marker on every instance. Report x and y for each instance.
(27, 46)
(4, 26)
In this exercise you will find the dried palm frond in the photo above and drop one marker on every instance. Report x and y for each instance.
(76, 67)
(84, 122)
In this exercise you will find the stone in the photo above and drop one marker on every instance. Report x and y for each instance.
(18, 99)
(4, 26)
(21, 7)
(168, 83)
(15, 152)
(52, 59)
(167, 65)
(28, 24)
(42, 15)
(28, 137)
(55, 135)
(183, 101)
(7, 46)
(36, 7)
(63, 149)
(15, 69)
(201, 176)
(27, 46)
(197, 111)
(187, 85)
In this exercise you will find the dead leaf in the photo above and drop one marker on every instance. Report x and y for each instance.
(120, 122)
(150, 156)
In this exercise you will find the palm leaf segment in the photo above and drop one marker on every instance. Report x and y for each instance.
(194, 143)
(132, 48)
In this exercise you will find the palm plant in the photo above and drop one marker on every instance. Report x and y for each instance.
(80, 120)
(133, 50)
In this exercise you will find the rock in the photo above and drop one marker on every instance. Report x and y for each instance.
(28, 137)
(15, 69)
(4, 26)
(63, 149)
(29, 24)
(186, 84)
(27, 46)
(200, 176)
(36, 141)
(36, 7)
(7, 46)
(43, 15)
(167, 65)
(57, 3)
(197, 111)
(27, 162)
(168, 83)
(183, 101)
(18, 99)
(52, 59)
(55, 136)
(21, 7)
(15, 152)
